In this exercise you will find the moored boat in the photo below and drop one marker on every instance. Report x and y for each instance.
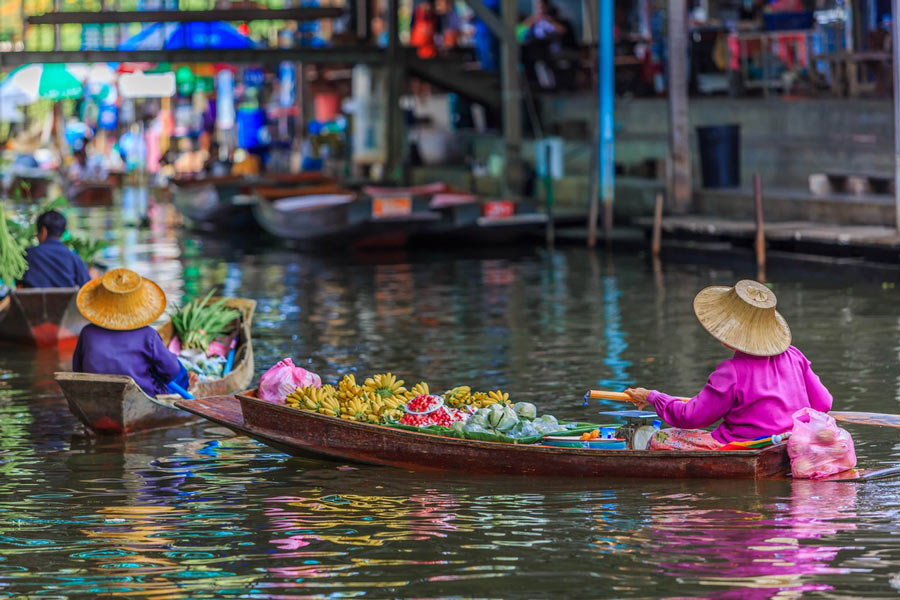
(304, 433)
(41, 317)
(214, 203)
(343, 219)
(116, 405)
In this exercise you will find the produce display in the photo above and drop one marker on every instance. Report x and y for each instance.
(459, 412)
(199, 323)
(12, 255)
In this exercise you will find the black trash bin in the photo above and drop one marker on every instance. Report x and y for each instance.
(720, 155)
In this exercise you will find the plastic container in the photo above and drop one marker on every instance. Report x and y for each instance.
(720, 155)
(573, 442)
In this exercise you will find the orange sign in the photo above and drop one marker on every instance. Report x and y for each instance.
(397, 206)
(498, 209)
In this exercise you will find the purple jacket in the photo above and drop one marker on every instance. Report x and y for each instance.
(139, 353)
(754, 396)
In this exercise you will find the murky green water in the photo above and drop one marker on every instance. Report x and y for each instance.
(200, 513)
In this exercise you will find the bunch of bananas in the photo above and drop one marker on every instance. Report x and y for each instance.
(322, 400)
(462, 396)
(12, 255)
(459, 397)
(381, 398)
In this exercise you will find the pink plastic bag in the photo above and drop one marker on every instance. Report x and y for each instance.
(284, 378)
(818, 447)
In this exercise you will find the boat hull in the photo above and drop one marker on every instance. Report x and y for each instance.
(304, 433)
(116, 405)
(41, 317)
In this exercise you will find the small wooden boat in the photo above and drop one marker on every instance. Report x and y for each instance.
(308, 434)
(215, 203)
(90, 194)
(115, 405)
(344, 220)
(41, 317)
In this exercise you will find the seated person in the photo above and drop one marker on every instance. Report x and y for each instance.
(51, 264)
(756, 392)
(120, 306)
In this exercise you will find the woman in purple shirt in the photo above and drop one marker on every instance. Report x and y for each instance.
(119, 341)
(754, 393)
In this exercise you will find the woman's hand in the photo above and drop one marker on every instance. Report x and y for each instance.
(192, 379)
(639, 397)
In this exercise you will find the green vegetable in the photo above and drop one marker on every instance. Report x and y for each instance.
(85, 248)
(546, 424)
(198, 323)
(525, 410)
(12, 255)
(508, 420)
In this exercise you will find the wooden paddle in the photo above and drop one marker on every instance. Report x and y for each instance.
(859, 418)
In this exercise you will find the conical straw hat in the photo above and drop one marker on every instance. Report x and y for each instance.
(744, 318)
(121, 300)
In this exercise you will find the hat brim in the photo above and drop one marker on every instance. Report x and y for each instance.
(740, 330)
(107, 309)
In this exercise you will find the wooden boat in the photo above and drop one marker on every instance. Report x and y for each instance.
(308, 434)
(91, 194)
(215, 203)
(225, 202)
(41, 317)
(330, 220)
(115, 405)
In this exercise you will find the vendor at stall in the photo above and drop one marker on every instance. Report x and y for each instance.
(120, 306)
(755, 392)
(51, 264)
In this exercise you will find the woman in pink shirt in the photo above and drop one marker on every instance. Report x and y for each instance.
(755, 392)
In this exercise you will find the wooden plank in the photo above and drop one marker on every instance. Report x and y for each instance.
(314, 56)
(186, 16)
(511, 96)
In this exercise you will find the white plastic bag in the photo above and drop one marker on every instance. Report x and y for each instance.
(284, 378)
(818, 447)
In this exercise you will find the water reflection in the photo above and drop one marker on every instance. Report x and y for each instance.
(199, 512)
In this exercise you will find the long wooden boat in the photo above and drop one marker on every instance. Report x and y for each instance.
(225, 202)
(214, 203)
(344, 220)
(115, 405)
(41, 317)
(308, 434)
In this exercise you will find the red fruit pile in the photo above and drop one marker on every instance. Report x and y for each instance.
(443, 416)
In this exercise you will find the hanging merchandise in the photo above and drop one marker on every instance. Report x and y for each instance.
(225, 100)
(288, 83)
(250, 122)
(185, 82)
(108, 118)
(254, 77)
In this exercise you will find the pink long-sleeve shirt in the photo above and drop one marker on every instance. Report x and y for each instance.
(754, 396)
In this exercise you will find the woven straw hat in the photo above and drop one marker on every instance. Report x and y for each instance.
(744, 318)
(121, 300)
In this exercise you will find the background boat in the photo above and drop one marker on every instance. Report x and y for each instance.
(116, 405)
(41, 317)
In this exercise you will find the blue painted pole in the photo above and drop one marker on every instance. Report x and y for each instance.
(606, 94)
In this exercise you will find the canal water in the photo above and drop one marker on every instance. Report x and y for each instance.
(197, 512)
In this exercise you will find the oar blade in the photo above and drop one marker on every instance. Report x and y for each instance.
(866, 418)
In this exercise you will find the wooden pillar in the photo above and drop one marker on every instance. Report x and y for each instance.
(679, 144)
(895, 27)
(395, 134)
(511, 102)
